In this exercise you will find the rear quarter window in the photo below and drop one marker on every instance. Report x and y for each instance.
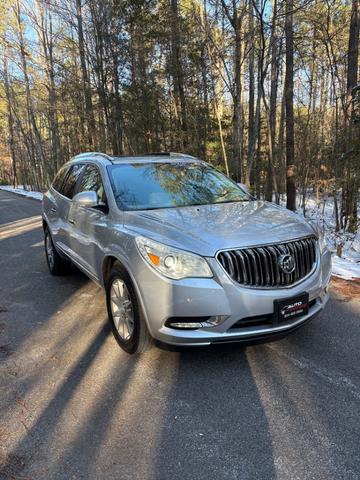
(59, 178)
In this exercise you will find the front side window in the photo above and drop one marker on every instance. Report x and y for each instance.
(59, 178)
(145, 186)
(91, 181)
(71, 178)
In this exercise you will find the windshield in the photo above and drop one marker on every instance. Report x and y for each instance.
(145, 186)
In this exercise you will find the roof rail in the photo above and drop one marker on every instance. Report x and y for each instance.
(175, 154)
(156, 154)
(112, 158)
(101, 154)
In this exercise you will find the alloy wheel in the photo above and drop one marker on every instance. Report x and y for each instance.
(49, 248)
(122, 309)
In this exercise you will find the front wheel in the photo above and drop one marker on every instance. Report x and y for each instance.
(57, 265)
(128, 324)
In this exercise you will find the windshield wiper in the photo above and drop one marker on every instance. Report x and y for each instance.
(235, 201)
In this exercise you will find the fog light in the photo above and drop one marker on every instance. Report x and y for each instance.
(193, 323)
(185, 325)
(215, 321)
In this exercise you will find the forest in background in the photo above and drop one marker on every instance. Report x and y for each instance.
(265, 90)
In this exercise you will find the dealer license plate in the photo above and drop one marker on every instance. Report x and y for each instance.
(289, 308)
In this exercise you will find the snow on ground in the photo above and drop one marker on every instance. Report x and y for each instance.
(345, 268)
(22, 191)
(320, 211)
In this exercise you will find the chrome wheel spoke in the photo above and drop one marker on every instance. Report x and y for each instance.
(49, 251)
(121, 309)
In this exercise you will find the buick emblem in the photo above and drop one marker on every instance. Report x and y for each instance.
(287, 263)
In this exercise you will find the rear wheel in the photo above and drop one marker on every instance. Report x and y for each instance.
(128, 324)
(57, 265)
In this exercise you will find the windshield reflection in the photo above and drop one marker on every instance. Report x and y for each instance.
(148, 186)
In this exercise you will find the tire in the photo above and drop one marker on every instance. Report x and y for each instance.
(129, 327)
(57, 264)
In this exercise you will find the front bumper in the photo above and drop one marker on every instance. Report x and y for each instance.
(162, 299)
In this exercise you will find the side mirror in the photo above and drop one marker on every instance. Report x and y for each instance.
(86, 199)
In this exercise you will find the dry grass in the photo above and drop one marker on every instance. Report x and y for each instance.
(345, 290)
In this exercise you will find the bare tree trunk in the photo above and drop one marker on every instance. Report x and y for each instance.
(251, 113)
(221, 135)
(282, 133)
(10, 118)
(352, 75)
(38, 156)
(90, 119)
(353, 52)
(177, 72)
(116, 101)
(235, 169)
(204, 80)
(271, 110)
(254, 159)
(289, 107)
(46, 34)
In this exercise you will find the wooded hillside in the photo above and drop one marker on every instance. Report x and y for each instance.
(265, 90)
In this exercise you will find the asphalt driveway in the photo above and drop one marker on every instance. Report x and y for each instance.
(74, 406)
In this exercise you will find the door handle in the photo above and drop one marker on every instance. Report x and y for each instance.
(71, 221)
(53, 210)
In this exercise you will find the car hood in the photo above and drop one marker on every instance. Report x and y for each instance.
(206, 229)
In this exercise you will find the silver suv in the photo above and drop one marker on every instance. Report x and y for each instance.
(186, 256)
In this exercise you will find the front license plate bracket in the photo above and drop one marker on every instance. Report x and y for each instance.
(286, 309)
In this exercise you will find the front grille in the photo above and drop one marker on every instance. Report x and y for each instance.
(259, 266)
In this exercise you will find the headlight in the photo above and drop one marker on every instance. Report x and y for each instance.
(171, 262)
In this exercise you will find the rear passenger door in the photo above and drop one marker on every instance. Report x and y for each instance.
(67, 192)
(88, 224)
(53, 204)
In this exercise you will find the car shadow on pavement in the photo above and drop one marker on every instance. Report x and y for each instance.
(172, 415)
(215, 426)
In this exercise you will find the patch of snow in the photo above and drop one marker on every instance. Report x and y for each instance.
(322, 212)
(22, 191)
(345, 268)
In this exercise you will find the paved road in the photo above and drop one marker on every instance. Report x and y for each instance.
(74, 406)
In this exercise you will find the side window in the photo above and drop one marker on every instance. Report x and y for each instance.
(91, 180)
(59, 178)
(70, 180)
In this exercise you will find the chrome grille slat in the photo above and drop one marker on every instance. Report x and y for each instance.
(294, 253)
(274, 256)
(248, 267)
(259, 266)
(242, 267)
(236, 266)
(266, 271)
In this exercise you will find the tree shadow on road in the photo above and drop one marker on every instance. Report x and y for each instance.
(215, 426)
